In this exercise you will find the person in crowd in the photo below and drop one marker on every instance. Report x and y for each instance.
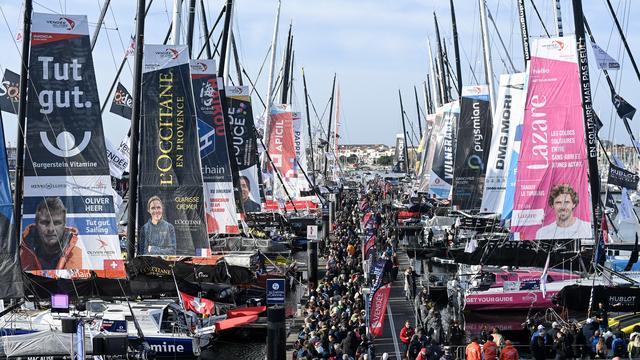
(633, 349)
(602, 317)
(414, 346)
(405, 336)
(490, 350)
(509, 352)
(497, 337)
(473, 351)
(456, 334)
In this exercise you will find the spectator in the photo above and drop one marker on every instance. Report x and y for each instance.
(405, 336)
(490, 350)
(473, 352)
(509, 352)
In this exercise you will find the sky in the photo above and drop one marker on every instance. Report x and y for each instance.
(375, 48)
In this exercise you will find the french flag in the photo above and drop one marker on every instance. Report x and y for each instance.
(203, 252)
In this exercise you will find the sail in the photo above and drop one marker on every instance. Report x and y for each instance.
(552, 188)
(171, 218)
(245, 146)
(10, 92)
(69, 223)
(509, 114)
(220, 206)
(441, 175)
(471, 155)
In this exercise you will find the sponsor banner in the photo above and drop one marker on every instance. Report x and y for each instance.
(220, 206)
(282, 149)
(369, 244)
(623, 108)
(611, 204)
(122, 103)
(441, 174)
(10, 92)
(621, 177)
(69, 226)
(378, 308)
(245, 148)
(427, 158)
(508, 119)
(471, 156)
(552, 190)
(270, 205)
(399, 153)
(171, 218)
(514, 300)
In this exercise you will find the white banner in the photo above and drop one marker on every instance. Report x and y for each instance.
(604, 60)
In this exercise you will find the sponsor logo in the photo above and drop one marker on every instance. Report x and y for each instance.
(63, 23)
(103, 244)
(48, 186)
(475, 162)
(168, 53)
(123, 98)
(554, 45)
(234, 90)
(199, 66)
(65, 143)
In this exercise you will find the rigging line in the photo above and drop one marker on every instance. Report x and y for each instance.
(264, 61)
(122, 44)
(113, 57)
(535, 8)
(513, 68)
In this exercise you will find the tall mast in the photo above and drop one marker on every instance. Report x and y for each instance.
(135, 126)
(306, 106)
(488, 68)
(434, 93)
(176, 23)
(190, 25)
(427, 97)
(22, 117)
(443, 86)
(96, 32)
(447, 70)
(456, 48)
(272, 65)
(524, 32)
(223, 67)
(624, 39)
(326, 150)
(205, 30)
(404, 134)
(236, 59)
(336, 135)
(415, 92)
(588, 115)
(557, 14)
(287, 64)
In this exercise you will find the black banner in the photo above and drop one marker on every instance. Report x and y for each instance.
(170, 202)
(471, 155)
(10, 92)
(623, 178)
(122, 103)
(611, 204)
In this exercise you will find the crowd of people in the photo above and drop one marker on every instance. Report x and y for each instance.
(334, 325)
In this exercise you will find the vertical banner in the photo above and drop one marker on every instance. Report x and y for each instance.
(471, 155)
(427, 158)
(399, 165)
(118, 157)
(10, 92)
(281, 147)
(220, 206)
(378, 308)
(69, 223)
(441, 175)
(552, 189)
(122, 103)
(171, 217)
(245, 146)
(509, 114)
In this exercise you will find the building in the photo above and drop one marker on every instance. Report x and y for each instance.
(365, 154)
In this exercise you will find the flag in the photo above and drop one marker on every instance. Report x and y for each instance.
(122, 102)
(623, 108)
(472, 245)
(204, 252)
(604, 60)
(10, 92)
(611, 203)
(625, 205)
(132, 47)
(543, 278)
(378, 308)
(198, 305)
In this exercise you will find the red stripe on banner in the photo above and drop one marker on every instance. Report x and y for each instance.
(38, 38)
(300, 205)
(378, 309)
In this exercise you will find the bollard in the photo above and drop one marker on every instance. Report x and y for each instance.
(276, 333)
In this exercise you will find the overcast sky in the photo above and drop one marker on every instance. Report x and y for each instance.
(374, 46)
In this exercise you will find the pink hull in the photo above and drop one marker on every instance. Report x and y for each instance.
(520, 300)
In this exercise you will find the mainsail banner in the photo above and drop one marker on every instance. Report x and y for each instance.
(122, 103)
(472, 154)
(552, 189)
(245, 148)
(69, 223)
(171, 218)
(220, 205)
(509, 114)
(281, 147)
(427, 154)
(441, 174)
(10, 92)
(400, 164)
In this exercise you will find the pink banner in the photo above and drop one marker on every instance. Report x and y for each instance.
(281, 142)
(551, 195)
(378, 308)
